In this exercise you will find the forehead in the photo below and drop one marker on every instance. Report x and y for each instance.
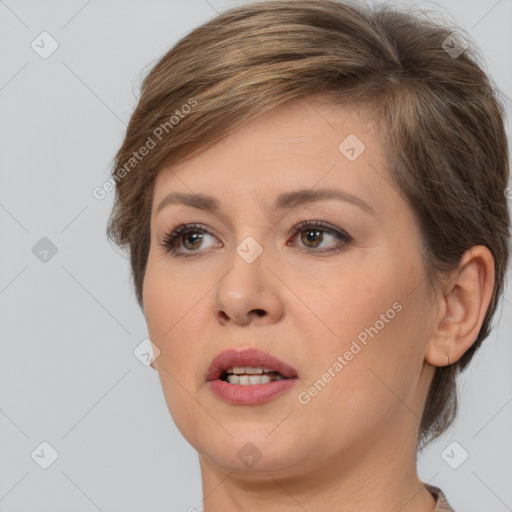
(297, 143)
(296, 139)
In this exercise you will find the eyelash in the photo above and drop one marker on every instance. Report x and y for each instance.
(170, 238)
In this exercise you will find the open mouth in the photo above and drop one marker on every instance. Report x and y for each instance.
(248, 367)
(247, 376)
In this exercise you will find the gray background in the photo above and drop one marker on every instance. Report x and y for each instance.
(68, 375)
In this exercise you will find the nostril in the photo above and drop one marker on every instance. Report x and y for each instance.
(259, 312)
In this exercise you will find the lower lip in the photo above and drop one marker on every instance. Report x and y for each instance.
(252, 394)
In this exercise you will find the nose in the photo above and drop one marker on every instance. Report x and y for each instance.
(248, 292)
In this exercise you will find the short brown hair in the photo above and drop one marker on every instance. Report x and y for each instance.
(441, 117)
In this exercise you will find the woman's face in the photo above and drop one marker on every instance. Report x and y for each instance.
(350, 315)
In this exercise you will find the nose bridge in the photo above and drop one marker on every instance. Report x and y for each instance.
(248, 285)
(247, 262)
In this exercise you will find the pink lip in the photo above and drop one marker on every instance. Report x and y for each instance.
(253, 394)
(250, 395)
(248, 357)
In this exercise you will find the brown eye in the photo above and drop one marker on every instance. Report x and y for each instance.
(312, 235)
(185, 240)
(193, 238)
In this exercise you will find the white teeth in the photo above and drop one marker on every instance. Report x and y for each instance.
(249, 375)
(251, 370)
(246, 380)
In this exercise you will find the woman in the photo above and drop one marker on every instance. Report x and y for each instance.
(313, 198)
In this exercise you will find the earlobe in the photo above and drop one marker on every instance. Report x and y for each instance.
(465, 301)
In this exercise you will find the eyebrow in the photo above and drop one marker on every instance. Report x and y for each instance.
(285, 200)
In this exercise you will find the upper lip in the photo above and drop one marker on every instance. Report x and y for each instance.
(248, 357)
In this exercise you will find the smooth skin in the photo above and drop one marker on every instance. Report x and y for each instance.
(353, 445)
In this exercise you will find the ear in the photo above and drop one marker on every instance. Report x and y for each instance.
(462, 307)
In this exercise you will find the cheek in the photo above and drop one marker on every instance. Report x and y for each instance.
(163, 310)
(175, 310)
(369, 317)
(168, 310)
(167, 298)
(351, 301)
(157, 303)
